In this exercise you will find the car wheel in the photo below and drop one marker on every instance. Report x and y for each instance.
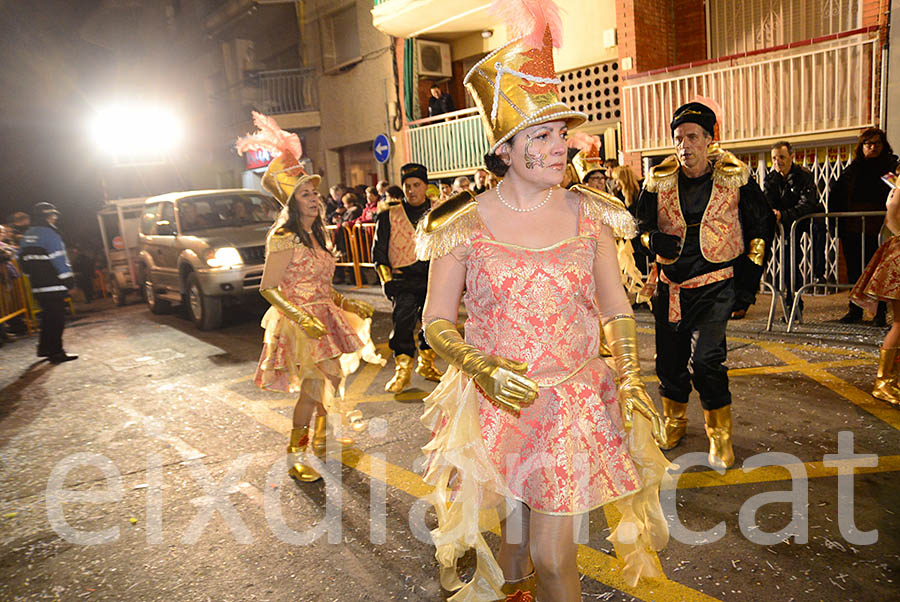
(156, 305)
(118, 295)
(206, 311)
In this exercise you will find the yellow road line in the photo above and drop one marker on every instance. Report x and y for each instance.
(595, 564)
(816, 372)
(765, 474)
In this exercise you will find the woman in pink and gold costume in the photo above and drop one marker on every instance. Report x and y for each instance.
(314, 336)
(527, 412)
(881, 282)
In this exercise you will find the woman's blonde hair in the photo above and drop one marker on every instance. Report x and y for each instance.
(627, 181)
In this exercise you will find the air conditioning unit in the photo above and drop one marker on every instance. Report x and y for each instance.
(433, 59)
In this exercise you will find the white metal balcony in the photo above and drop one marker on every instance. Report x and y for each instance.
(809, 88)
(448, 145)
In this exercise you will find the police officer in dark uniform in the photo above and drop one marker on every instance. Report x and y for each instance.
(42, 254)
(404, 278)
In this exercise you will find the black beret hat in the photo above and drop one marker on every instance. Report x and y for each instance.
(414, 170)
(695, 112)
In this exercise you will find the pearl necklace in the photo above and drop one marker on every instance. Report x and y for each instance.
(514, 208)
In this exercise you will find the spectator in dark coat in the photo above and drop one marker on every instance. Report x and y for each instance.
(439, 103)
(791, 192)
(860, 188)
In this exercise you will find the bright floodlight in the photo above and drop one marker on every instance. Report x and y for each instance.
(136, 130)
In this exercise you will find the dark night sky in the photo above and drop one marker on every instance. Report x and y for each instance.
(49, 79)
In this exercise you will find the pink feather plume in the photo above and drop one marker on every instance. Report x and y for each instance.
(269, 137)
(583, 141)
(530, 18)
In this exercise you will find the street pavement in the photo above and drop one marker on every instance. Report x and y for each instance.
(152, 469)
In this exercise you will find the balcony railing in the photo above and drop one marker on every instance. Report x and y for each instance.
(287, 90)
(809, 88)
(272, 92)
(450, 144)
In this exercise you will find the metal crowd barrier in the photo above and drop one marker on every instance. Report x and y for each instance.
(806, 258)
(14, 296)
(355, 245)
(779, 279)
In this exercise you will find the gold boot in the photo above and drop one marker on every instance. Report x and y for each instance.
(886, 388)
(525, 585)
(320, 436)
(676, 423)
(425, 366)
(718, 429)
(402, 374)
(298, 444)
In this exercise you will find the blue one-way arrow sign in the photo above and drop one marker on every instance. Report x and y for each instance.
(382, 148)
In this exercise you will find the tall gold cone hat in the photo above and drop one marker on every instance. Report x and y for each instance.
(515, 87)
(284, 174)
(588, 158)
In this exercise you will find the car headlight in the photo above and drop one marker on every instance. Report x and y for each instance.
(224, 257)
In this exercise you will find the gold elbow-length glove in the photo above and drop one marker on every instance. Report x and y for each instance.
(621, 335)
(355, 306)
(502, 380)
(310, 324)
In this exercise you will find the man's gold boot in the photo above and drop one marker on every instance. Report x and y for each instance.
(886, 388)
(718, 429)
(298, 445)
(320, 436)
(402, 374)
(676, 423)
(425, 366)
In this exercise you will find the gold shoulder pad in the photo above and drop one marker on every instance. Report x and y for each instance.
(448, 211)
(387, 205)
(599, 195)
(731, 171)
(447, 226)
(607, 209)
(281, 240)
(663, 174)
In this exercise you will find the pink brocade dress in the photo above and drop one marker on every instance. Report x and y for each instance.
(289, 355)
(568, 452)
(880, 281)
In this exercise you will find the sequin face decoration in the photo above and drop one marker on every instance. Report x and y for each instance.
(533, 160)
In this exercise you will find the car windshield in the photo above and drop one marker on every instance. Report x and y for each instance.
(226, 211)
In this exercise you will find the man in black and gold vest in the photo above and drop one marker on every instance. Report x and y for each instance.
(699, 211)
(404, 278)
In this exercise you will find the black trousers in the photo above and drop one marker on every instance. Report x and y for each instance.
(407, 298)
(53, 321)
(695, 356)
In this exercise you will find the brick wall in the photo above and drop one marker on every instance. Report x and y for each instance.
(690, 30)
(872, 12)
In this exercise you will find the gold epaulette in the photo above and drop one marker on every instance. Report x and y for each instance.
(446, 226)
(281, 239)
(663, 175)
(730, 171)
(385, 205)
(603, 207)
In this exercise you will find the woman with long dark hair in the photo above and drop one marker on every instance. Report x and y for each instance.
(860, 188)
(314, 336)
